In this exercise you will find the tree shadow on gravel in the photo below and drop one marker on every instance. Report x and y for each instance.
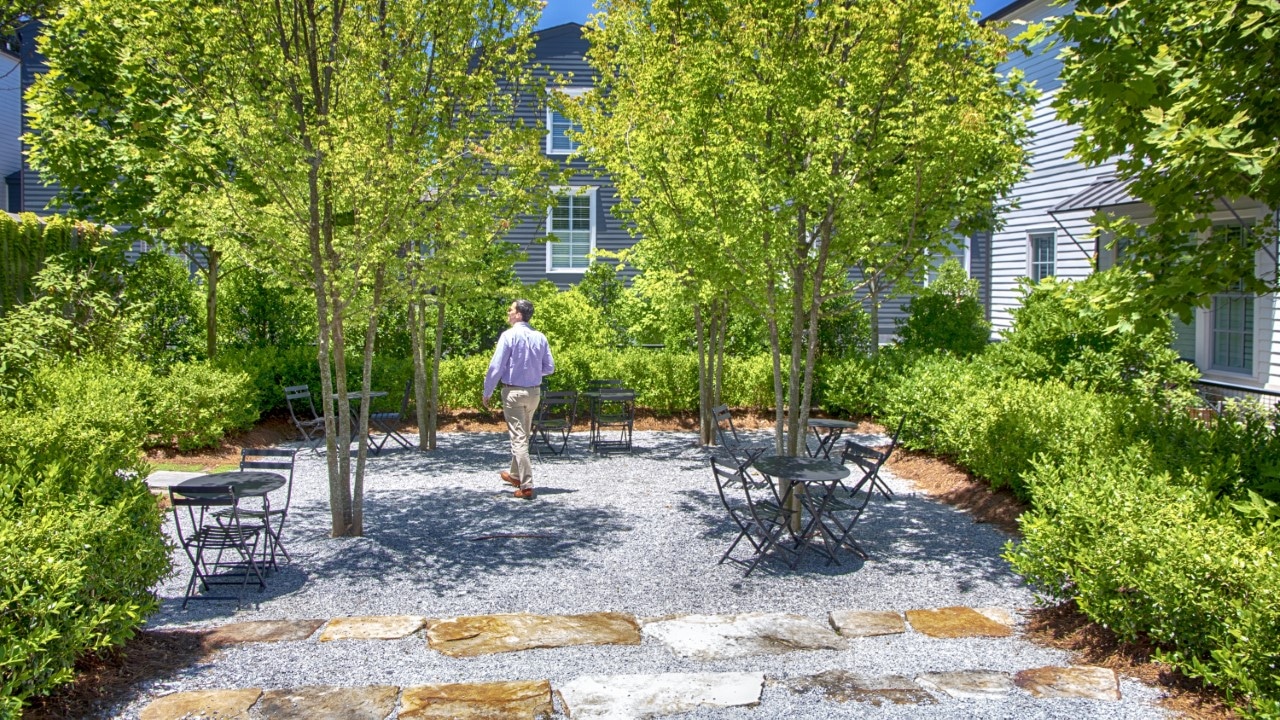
(448, 538)
(907, 535)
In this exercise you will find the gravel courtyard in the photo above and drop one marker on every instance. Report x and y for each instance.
(638, 534)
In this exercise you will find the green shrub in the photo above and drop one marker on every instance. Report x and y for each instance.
(195, 404)
(748, 381)
(257, 310)
(1059, 332)
(946, 316)
(849, 386)
(1148, 556)
(167, 306)
(80, 538)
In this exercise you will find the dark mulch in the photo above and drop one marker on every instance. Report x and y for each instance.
(109, 677)
(1065, 627)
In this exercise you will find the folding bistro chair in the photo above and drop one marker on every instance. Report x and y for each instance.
(870, 461)
(612, 409)
(554, 421)
(221, 549)
(727, 436)
(757, 511)
(272, 518)
(388, 423)
(312, 428)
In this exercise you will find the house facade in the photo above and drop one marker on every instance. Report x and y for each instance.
(581, 220)
(1233, 342)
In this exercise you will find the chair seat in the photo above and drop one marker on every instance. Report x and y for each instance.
(222, 536)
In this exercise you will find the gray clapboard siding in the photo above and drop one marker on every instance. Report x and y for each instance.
(10, 117)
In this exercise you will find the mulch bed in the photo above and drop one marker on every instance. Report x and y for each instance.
(108, 678)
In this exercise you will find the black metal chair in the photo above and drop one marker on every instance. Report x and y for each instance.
(727, 435)
(612, 410)
(312, 428)
(272, 518)
(553, 422)
(388, 423)
(222, 550)
(870, 460)
(756, 510)
(606, 384)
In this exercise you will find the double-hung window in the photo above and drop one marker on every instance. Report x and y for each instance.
(572, 224)
(1043, 250)
(1233, 312)
(558, 127)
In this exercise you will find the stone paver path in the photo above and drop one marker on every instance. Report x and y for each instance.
(698, 637)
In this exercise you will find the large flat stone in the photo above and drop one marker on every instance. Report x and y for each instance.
(518, 700)
(968, 684)
(843, 686)
(160, 480)
(373, 627)
(1077, 681)
(325, 702)
(866, 623)
(714, 637)
(644, 696)
(204, 704)
(1004, 616)
(955, 622)
(485, 634)
(263, 631)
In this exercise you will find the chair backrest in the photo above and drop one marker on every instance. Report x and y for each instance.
(404, 401)
(614, 405)
(271, 459)
(300, 393)
(199, 504)
(607, 384)
(726, 433)
(557, 407)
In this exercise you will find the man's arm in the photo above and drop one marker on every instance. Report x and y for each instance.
(548, 363)
(499, 361)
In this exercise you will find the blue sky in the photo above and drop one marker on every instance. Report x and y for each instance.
(563, 11)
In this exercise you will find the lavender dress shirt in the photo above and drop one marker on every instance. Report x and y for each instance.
(522, 357)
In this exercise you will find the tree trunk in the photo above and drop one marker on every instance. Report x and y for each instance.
(366, 386)
(706, 435)
(417, 349)
(873, 314)
(212, 269)
(436, 351)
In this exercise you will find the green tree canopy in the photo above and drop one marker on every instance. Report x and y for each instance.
(1183, 95)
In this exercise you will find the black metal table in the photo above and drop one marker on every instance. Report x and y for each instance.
(246, 483)
(805, 485)
(611, 408)
(828, 432)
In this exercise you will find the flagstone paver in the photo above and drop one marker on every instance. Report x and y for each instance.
(205, 704)
(969, 684)
(715, 637)
(843, 686)
(956, 622)
(1077, 681)
(867, 623)
(264, 631)
(324, 702)
(645, 696)
(485, 634)
(1004, 616)
(372, 627)
(517, 700)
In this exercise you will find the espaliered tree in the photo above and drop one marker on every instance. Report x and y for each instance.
(790, 141)
(331, 122)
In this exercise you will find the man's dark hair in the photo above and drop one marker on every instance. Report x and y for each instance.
(525, 308)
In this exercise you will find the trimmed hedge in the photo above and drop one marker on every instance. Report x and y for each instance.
(80, 534)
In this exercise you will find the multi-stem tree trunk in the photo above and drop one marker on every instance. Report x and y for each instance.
(706, 423)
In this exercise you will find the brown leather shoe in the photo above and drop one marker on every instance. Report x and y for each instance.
(509, 479)
(524, 494)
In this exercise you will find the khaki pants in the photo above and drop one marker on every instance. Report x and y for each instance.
(518, 407)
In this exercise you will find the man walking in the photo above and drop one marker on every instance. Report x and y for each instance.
(522, 357)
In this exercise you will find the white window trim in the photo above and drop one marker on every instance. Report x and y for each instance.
(1263, 319)
(567, 92)
(1031, 252)
(590, 192)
